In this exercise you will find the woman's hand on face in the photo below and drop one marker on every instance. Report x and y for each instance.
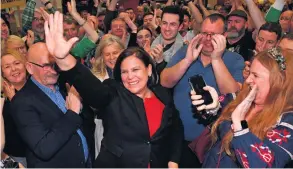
(198, 101)
(240, 112)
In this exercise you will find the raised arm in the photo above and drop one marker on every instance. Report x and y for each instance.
(94, 92)
(255, 13)
(195, 12)
(28, 16)
(90, 31)
(180, 62)
(49, 6)
(275, 11)
(203, 8)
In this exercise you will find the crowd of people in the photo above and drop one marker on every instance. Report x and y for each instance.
(97, 85)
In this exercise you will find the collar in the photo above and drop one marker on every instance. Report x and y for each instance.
(44, 88)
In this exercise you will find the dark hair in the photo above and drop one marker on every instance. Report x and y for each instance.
(6, 21)
(103, 13)
(146, 14)
(288, 36)
(215, 17)
(145, 28)
(127, 9)
(185, 12)
(272, 27)
(69, 20)
(142, 55)
(174, 10)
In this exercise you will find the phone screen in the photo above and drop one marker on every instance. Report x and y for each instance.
(197, 83)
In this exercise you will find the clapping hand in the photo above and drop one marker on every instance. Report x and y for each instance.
(157, 53)
(219, 45)
(9, 90)
(198, 101)
(194, 48)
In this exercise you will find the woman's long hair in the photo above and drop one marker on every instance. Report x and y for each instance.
(99, 67)
(278, 101)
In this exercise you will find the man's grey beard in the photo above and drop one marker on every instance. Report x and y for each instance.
(236, 35)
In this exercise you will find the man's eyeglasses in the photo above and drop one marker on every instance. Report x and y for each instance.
(206, 34)
(46, 66)
(39, 19)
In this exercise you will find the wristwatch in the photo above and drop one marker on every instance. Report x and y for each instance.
(244, 124)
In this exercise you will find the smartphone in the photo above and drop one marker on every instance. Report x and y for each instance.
(197, 83)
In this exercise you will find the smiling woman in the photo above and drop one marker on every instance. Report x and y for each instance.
(15, 76)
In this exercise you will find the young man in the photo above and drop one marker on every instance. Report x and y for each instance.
(170, 38)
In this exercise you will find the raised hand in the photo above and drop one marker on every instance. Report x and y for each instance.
(93, 21)
(241, 110)
(153, 22)
(30, 38)
(219, 44)
(44, 14)
(194, 48)
(55, 41)
(198, 102)
(71, 7)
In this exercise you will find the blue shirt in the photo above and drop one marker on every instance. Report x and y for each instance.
(58, 99)
(234, 63)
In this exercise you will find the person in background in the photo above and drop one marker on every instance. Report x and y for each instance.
(144, 38)
(255, 130)
(5, 31)
(16, 43)
(70, 27)
(220, 68)
(239, 40)
(107, 53)
(14, 78)
(285, 19)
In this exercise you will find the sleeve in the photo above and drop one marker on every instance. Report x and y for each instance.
(132, 40)
(97, 94)
(177, 137)
(110, 15)
(82, 48)
(28, 16)
(160, 67)
(179, 55)
(36, 136)
(274, 152)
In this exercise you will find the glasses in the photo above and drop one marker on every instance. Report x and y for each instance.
(46, 66)
(39, 19)
(206, 34)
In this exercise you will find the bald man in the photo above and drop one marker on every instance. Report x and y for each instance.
(54, 129)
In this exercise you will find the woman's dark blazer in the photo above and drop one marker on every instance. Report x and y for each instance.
(127, 141)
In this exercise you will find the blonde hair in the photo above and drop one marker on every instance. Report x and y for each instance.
(12, 39)
(278, 101)
(16, 54)
(99, 67)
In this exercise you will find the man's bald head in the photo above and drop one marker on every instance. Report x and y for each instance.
(37, 51)
(40, 65)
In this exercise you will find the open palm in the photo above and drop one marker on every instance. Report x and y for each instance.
(56, 43)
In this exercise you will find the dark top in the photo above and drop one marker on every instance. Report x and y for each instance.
(127, 141)
(14, 145)
(50, 135)
(244, 46)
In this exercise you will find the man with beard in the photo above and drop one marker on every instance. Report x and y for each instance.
(32, 19)
(239, 40)
(221, 69)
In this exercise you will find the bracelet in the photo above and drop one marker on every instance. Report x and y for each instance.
(83, 23)
(45, 4)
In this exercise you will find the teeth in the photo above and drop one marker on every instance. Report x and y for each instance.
(133, 83)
